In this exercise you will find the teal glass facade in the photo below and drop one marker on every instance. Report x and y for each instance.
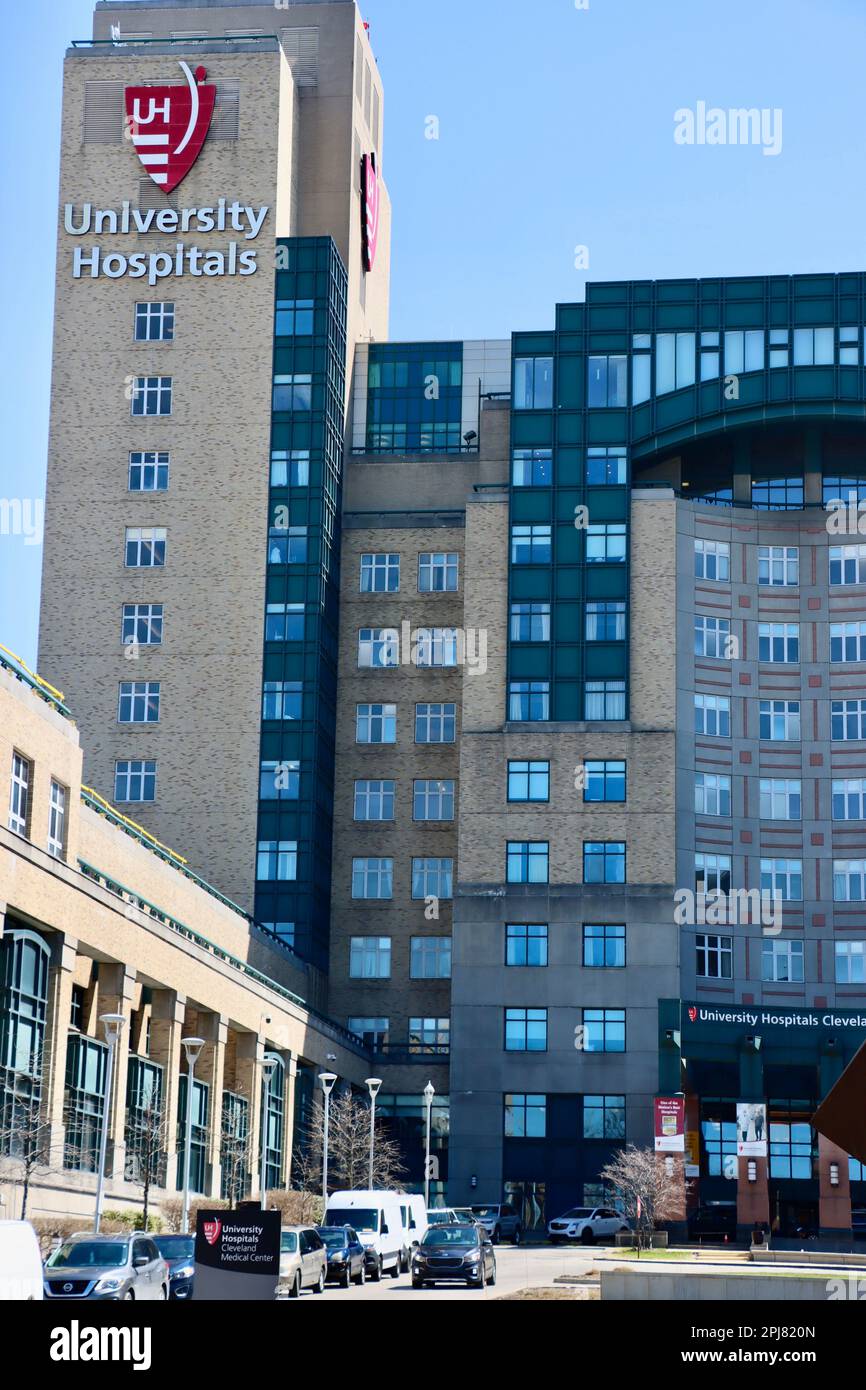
(415, 398)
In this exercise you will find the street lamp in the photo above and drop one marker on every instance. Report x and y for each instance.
(373, 1083)
(113, 1025)
(429, 1093)
(328, 1080)
(192, 1047)
(268, 1066)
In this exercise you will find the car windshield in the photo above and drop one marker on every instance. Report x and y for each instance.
(451, 1235)
(439, 1218)
(105, 1253)
(334, 1240)
(358, 1217)
(175, 1247)
(485, 1211)
(579, 1211)
(288, 1242)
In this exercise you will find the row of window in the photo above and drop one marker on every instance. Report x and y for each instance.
(778, 642)
(526, 861)
(604, 621)
(779, 720)
(438, 573)
(605, 543)
(529, 701)
(426, 1035)
(781, 961)
(527, 781)
(525, 946)
(781, 798)
(21, 806)
(782, 877)
(779, 565)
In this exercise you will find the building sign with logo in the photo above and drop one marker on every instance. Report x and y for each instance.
(670, 1124)
(772, 1022)
(237, 1255)
(369, 210)
(169, 125)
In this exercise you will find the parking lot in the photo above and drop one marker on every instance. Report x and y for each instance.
(516, 1269)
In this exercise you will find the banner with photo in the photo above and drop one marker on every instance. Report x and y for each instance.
(751, 1129)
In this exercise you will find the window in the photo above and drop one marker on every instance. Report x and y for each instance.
(141, 625)
(847, 490)
(370, 958)
(145, 547)
(525, 1030)
(430, 958)
(294, 318)
(287, 545)
(781, 961)
(779, 720)
(83, 1103)
(528, 781)
(779, 565)
(525, 1117)
(779, 642)
(277, 861)
(279, 781)
(374, 801)
(284, 930)
(380, 574)
(847, 564)
(135, 780)
(284, 622)
(849, 799)
(850, 962)
(436, 646)
(604, 945)
(781, 799)
(533, 383)
(712, 560)
(373, 1032)
(777, 494)
(744, 351)
(713, 957)
(293, 392)
(849, 880)
(712, 794)
(604, 1117)
(290, 467)
(603, 861)
(675, 361)
(435, 723)
(76, 1007)
(712, 873)
(376, 723)
(373, 878)
(432, 878)
(151, 395)
(847, 642)
(713, 716)
(532, 467)
(604, 700)
(527, 861)
(429, 1035)
(154, 323)
(813, 347)
(605, 620)
(848, 720)
(529, 701)
(710, 356)
(849, 346)
(604, 1030)
(641, 368)
(19, 794)
(605, 543)
(526, 944)
(606, 467)
(378, 647)
(138, 702)
(604, 780)
(530, 545)
(530, 622)
(783, 878)
(282, 700)
(433, 801)
(148, 471)
(778, 347)
(438, 573)
(199, 1111)
(712, 637)
(607, 380)
(57, 820)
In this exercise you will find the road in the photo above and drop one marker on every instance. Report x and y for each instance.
(520, 1268)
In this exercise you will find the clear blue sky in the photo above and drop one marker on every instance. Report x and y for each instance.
(556, 130)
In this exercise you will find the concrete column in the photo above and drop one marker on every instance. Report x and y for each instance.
(289, 1125)
(210, 1068)
(834, 1198)
(250, 1053)
(166, 1029)
(60, 980)
(115, 989)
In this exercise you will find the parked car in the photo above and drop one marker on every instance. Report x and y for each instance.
(441, 1216)
(347, 1258)
(415, 1223)
(586, 1224)
(466, 1216)
(179, 1254)
(460, 1253)
(20, 1263)
(303, 1261)
(378, 1221)
(127, 1267)
(501, 1222)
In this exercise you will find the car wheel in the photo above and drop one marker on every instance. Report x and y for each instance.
(377, 1273)
(492, 1279)
(497, 1236)
(295, 1290)
(586, 1236)
(517, 1237)
(398, 1268)
(319, 1286)
(346, 1280)
(481, 1281)
(361, 1279)
(165, 1293)
(417, 1283)
(129, 1296)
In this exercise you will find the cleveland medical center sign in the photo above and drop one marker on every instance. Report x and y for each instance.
(237, 1254)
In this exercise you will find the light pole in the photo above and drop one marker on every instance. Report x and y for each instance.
(113, 1025)
(429, 1093)
(373, 1084)
(192, 1047)
(328, 1080)
(268, 1066)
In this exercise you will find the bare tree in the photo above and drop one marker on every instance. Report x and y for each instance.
(146, 1146)
(648, 1189)
(25, 1134)
(348, 1149)
(236, 1154)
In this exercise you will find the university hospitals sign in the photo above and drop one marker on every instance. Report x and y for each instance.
(769, 1019)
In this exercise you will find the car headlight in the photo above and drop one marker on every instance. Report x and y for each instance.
(186, 1272)
(338, 1259)
(110, 1283)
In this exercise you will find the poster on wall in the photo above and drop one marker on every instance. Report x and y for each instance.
(751, 1129)
(670, 1124)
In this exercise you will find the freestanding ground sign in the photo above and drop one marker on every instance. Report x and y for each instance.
(237, 1255)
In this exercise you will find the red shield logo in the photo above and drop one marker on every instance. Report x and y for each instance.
(212, 1231)
(168, 126)
(693, 1013)
(369, 209)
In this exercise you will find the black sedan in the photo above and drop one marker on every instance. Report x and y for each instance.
(179, 1254)
(459, 1253)
(347, 1258)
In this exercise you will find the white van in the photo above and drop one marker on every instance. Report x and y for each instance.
(415, 1223)
(377, 1218)
(20, 1262)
